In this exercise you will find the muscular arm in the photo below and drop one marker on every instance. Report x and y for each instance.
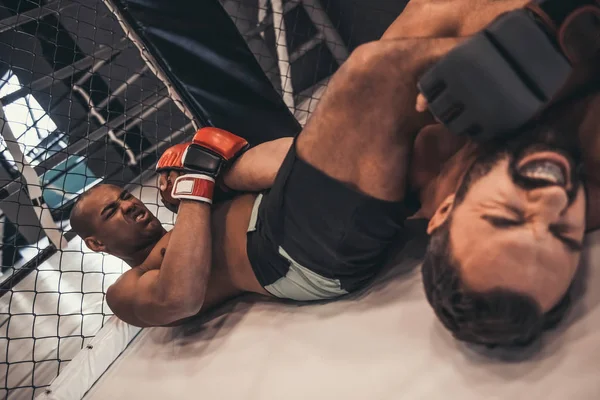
(177, 290)
(256, 169)
(447, 18)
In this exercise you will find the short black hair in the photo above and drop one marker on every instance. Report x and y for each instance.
(500, 317)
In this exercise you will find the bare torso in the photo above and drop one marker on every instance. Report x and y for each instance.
(231, 272)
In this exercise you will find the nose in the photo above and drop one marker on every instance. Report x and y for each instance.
(127, 206)
(547, 204)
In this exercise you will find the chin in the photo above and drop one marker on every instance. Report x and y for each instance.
(155, 228)
(154, 222)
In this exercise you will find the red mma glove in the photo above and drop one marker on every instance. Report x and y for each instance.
(199, 163)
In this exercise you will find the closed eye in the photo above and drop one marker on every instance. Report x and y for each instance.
(572, 244)
(111, 208)
(502, 222)
(110, 211)
(556, 230)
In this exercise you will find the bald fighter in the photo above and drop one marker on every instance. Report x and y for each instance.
(324, 218)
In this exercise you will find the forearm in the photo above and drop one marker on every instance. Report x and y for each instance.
(186, 265)
(257, 168)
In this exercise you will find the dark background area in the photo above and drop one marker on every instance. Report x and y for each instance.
(362, 21)
(357, 22)
(38, 48)
(38, 52)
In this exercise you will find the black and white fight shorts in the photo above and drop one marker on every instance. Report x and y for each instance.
(312, 237)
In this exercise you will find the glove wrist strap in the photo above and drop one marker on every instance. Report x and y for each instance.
(197, 187)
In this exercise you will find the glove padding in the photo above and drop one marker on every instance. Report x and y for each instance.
(198, 163)
(500, 79)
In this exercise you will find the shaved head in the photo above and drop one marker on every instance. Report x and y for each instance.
(78, 219)
(111, 220)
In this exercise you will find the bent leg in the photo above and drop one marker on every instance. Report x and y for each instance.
(363, 128)
(335, 208)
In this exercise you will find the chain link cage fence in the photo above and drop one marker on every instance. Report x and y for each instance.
(79, 106)
(300, 44)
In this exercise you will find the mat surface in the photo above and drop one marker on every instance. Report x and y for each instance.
(384, 343)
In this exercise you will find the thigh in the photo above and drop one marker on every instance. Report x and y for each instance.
(363, 129)
(319, 224)
(447, 18)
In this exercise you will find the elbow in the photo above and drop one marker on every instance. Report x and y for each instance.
(189, 310)
(182, 306)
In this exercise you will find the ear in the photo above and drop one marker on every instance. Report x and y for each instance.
(95, 244)
(441, 214)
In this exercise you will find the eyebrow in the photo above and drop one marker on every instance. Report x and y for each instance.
(500, 223)
(113, 203)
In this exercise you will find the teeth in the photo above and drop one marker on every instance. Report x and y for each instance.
(139, 217)
(544, 171)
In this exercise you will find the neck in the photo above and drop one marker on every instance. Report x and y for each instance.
(138, 257)
(446, 182)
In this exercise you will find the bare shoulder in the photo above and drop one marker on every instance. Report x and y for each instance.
(120, 296)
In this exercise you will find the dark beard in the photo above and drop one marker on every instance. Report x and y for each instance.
(530, 140)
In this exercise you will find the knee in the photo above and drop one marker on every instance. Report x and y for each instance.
(378, 68)
(368, 65)
(391, 58)
(366, 58)
(442, 20)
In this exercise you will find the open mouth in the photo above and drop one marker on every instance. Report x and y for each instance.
(550, 168)
(140, 216)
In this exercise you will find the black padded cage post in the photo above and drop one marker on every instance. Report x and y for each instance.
(195, 48)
